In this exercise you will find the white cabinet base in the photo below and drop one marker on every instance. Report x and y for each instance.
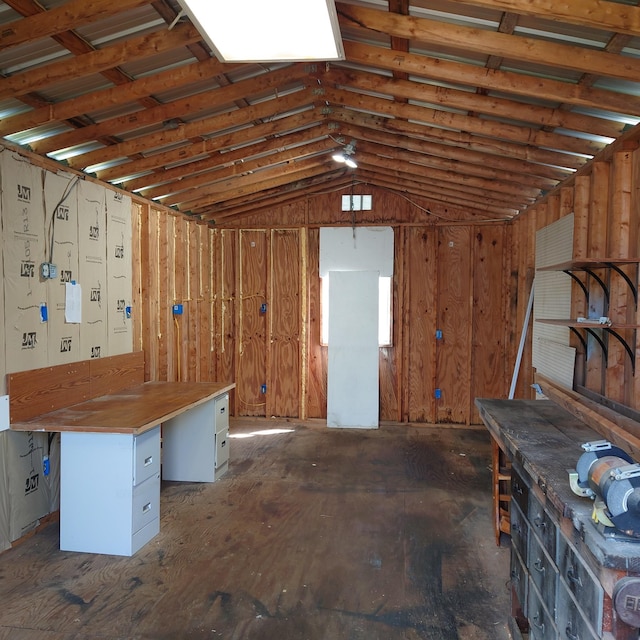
(195, 441)
(109, 491)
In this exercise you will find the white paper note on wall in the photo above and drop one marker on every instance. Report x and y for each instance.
(73, 303)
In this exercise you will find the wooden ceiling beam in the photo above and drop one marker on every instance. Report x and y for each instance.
(114, 96)
(204, 127)
(463, 154)
(175, 191)
(57, 20)
(399, 184)
(459, 122)
(430, 175)
(205, 101)
(153, 166)
(98, 61)
(255, 183)
(446, 163)
(279, 197)
(418, 186)
(270, 151)
(484, 42)
(460, 139)
(597, 14)
(477, 104)
(459, 73)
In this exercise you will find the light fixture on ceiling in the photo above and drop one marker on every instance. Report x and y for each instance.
(346, 155)
(268, 31)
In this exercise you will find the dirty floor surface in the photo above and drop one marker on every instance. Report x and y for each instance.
(313, 533)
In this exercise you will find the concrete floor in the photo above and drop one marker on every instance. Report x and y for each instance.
(313, 533)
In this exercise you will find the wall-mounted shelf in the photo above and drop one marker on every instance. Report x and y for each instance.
(592, 327)
(591, 265)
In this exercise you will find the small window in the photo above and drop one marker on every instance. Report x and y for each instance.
(385, 309)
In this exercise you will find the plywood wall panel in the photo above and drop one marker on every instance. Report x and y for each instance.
(420, 323)
(252, 326)
(454, 319)
(488, 355)
(390, 368)
(285, 324)
(316, 396)
(226, 261)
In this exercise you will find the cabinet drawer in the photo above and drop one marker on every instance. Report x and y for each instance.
(222, 448)
(519, 580)
(146, 503)
(571, 622)
(222, 413)
(519, 492)
(543, 525)
(519, 530)
(541, 624)
(544, 573)
(146, 455)
(579, 580)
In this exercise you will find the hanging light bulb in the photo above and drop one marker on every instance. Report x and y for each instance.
(346, 155)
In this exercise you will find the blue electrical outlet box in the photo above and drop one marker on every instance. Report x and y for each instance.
(127, 311)
(263, 308)
(438, 394)
(263, 388)
(177, 309)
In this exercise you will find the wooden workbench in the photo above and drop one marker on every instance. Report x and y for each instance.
(554, 537)
(132, 411)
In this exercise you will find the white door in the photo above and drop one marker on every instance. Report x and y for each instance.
(352, 385)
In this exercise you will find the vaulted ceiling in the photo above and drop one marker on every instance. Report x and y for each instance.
(478, 107)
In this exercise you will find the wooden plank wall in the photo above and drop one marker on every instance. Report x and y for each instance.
(449, 276)
(606, 205)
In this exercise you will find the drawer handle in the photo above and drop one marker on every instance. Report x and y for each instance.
(224, 444)
(569, 633)
(538, 625)
(573, 578)
(538, 566)
(539, 522)
(148, 461)
(222, 409)
(146, 508)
